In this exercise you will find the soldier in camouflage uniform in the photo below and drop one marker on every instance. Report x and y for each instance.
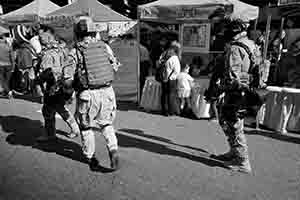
(235, 85)
(96, 107)
(55, 96)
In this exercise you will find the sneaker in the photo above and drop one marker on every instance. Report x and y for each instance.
(225, 157)
(45, 138)
(72, 135)
(114, 160)
(238, 165)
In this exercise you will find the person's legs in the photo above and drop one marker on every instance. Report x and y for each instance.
(106, 118)
(182, 103)
(238, 145)
(172, 99)
(49, 123)
(68, 117)
(112, 145)
(164, 98)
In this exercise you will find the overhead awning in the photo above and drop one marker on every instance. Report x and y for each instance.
(166, 10)
(30, 12)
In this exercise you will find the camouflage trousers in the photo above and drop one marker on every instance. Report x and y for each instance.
(49, 111)
(95, 113)
(233, 127)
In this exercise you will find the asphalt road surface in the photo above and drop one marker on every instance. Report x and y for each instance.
(162, 158)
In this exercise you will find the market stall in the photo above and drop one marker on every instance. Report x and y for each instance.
(194, 23)
(30, 12)
(281, 109)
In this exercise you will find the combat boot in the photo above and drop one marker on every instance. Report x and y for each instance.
(114, 159)
(239, 164)
(93, 163)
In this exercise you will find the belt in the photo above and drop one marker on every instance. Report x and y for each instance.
(96, 87)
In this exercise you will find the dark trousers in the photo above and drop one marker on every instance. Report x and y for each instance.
(169, 99)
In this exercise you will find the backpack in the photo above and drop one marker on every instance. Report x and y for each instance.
(94, 69)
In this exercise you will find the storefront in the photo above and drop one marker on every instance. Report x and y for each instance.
(196, 25)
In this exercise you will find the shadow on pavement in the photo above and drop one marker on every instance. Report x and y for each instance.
(133, 142)
(25, 97)
(126, 106)
(158, 138)
(274, 135)
(24, 131)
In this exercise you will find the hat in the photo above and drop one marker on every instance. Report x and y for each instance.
(21, 33)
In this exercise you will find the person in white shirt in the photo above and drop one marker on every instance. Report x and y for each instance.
(171, 60)
(184, 86)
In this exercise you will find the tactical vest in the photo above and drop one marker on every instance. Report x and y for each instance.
(93, 69)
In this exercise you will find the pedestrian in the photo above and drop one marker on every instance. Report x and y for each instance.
(23, 76)
(169, 68)
(96, 101)
(184, 86)
(235, 85)
(6, 65)
(55, 97)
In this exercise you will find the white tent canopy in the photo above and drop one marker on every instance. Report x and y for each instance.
(98, 11)
(31, 11)
(167, 10)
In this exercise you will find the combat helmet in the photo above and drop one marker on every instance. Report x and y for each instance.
(84, 26)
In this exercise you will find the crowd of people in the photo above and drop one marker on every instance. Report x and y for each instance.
(45, 67)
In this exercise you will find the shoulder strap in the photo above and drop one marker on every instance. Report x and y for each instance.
(83, 63)
(248, 51)
(244, 46)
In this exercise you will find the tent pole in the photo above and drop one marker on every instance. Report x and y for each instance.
(255, 24)
(267, 34)
(138, 60)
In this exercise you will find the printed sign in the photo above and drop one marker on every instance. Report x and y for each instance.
(195, 37)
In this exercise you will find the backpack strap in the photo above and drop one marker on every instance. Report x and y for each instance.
(248, 51)
(83, 63)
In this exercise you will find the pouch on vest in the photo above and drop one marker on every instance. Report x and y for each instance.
(94, 69)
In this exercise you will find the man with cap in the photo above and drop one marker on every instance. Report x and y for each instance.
(235, 84)
(96, 106)
(55, 96)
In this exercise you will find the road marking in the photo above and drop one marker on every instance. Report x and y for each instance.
(56, 115)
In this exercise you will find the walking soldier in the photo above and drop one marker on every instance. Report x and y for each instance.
(55, 96)
(94, 67)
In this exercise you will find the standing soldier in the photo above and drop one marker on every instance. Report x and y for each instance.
(94, 66)
(55, 96)
(235, 85)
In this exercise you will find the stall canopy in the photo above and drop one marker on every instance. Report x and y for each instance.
(30, 12)
(3, 30)
(166, 10)
(98, 11)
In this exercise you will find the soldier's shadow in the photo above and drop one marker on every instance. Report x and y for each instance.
(24, 131)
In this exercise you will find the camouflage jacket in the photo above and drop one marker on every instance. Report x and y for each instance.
(50, 69)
